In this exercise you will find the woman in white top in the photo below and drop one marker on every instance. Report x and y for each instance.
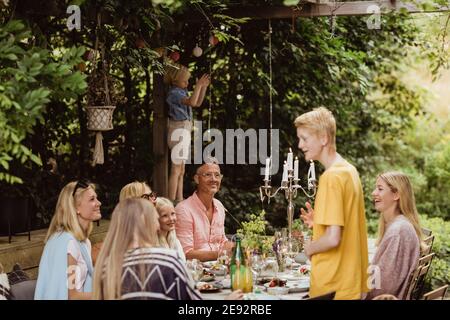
(167, 219)
(65, 269)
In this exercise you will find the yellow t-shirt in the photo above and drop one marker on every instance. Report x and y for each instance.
(340, 201)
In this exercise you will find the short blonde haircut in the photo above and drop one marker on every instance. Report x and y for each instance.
(173, 73)
(319, 121)
(65, 218)
(133, 190)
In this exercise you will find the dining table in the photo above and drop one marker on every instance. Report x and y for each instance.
(260, 291)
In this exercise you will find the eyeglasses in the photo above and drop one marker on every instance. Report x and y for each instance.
(209, 175)
(83, 184)
(150, 196)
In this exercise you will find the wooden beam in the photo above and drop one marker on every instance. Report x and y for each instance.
(351, 8)
(160, 149)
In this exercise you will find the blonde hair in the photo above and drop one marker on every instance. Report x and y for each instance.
(133, 190)
(170, 240)
(320, 121)
(175, 72)
(400, 183)
(133, 220)
(65, 217)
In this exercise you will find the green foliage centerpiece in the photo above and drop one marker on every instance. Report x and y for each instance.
(253, 234)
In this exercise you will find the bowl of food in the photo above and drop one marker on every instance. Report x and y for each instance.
(276, 291)
(275, 282)
(207, 276)
(303, 271)
(218, 269)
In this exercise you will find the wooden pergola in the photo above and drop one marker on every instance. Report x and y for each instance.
(310, 9)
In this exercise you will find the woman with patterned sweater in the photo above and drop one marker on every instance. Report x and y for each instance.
(132, 266)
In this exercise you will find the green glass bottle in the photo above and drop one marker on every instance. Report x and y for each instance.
(240, 272)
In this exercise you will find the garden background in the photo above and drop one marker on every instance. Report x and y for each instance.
(389, 89)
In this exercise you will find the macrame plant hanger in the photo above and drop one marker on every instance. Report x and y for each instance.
(100, 117)
(270, 104)
(210, 101)
(270, 91)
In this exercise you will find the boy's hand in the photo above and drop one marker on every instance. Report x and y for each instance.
(204, 81)
(307, 217)
(307, 248)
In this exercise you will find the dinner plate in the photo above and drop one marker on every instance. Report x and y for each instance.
(209, 264)
(298, 286)
(210, 290)
(207, 287)
(207, 278)
(267, 285)
(218, 272)
(260, 296)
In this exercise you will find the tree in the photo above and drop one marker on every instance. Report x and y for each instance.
(30, 78)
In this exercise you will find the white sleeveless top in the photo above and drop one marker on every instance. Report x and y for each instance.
(81, 269)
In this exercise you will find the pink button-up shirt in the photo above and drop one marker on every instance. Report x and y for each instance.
(193, 228)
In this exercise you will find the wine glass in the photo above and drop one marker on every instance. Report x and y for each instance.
(257, 261)
(222, 257)
(293, 248)
(196, 269)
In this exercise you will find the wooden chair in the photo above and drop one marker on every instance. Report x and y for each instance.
(385, 297)
(429, 242)
(327, 296)
(425, 261)
(427, 232)
(438, 294)
(412, 282)
(417, 278)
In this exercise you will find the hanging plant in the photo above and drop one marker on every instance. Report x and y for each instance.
(103, 96)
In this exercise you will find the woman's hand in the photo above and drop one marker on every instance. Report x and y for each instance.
(235, 295)
(307, 216)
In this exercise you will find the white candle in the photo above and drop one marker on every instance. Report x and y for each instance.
(296, 169)
(313, 170)
(267, 169)
(285, 172)
(289, 159)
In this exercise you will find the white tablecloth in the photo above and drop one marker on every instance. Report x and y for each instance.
(222, 294)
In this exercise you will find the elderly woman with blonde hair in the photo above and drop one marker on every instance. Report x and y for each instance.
(167, 237)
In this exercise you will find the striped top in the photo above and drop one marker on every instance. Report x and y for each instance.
(156, 274)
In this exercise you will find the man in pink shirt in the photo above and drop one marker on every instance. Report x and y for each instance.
(201, 218)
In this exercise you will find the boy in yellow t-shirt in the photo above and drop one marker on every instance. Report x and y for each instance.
(338, 251)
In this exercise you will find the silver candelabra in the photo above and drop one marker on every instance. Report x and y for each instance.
(290, 187)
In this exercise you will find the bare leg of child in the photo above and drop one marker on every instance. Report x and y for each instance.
(175, 172)
(180, 184)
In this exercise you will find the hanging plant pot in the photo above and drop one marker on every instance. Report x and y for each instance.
(99, 118)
